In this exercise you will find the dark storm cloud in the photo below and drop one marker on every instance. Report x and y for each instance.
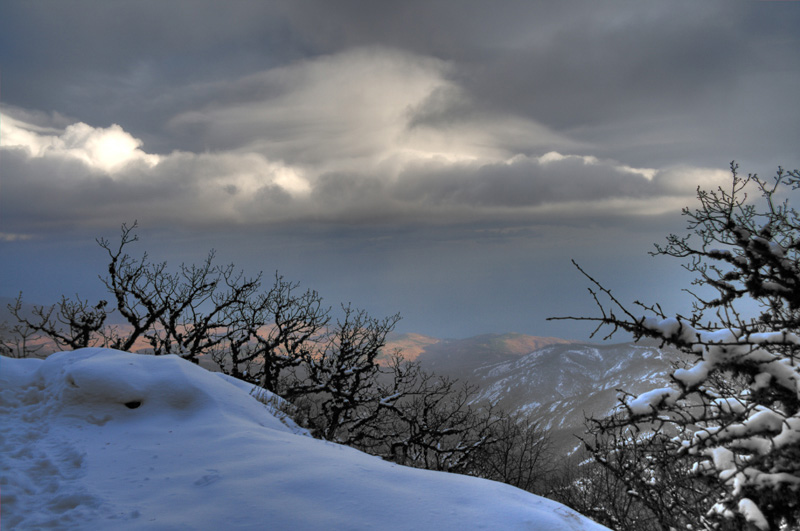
(134, 62)
(643, 82)
(599, 64)
(46, 195)
(348, 112)
(523, 182)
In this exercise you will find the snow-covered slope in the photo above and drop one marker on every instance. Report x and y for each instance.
(101, 439)
(560, 385)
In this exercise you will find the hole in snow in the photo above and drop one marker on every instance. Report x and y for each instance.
(133, 404)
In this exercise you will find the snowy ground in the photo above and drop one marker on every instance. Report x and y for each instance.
(101, 439)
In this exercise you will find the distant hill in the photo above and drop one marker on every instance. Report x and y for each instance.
(562, 384)
(409, 346)
(459, 357)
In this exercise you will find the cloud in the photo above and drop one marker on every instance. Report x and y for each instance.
(99, 176)
(366, 136)
(554, 185)
(107, 149)
(644, 83)
(353, 111)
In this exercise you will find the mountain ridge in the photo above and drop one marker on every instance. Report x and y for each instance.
(458, 357)
(563, 384)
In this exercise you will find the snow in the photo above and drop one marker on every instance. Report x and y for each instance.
(752, 514)
(649, 402)
(731, 446)
(102, 439)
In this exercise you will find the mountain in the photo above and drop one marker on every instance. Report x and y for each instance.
(561, 384)
(410, 346)
(102, 439)
(459, 357)
(558, 382)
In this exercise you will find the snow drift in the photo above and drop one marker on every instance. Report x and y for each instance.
(102, 439)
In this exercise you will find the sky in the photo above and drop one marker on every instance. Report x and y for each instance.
(445, 160)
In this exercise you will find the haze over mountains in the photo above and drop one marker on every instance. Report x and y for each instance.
(459, 357)
(556, 381)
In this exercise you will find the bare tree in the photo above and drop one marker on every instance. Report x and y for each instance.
(275, 328)
(595, 491)
(19, 341)
(68, 324)
(193, 311)
(140, 289)
(443, 431)
(429, 421)
(519, 454)
(340, 369)
(188, 312)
